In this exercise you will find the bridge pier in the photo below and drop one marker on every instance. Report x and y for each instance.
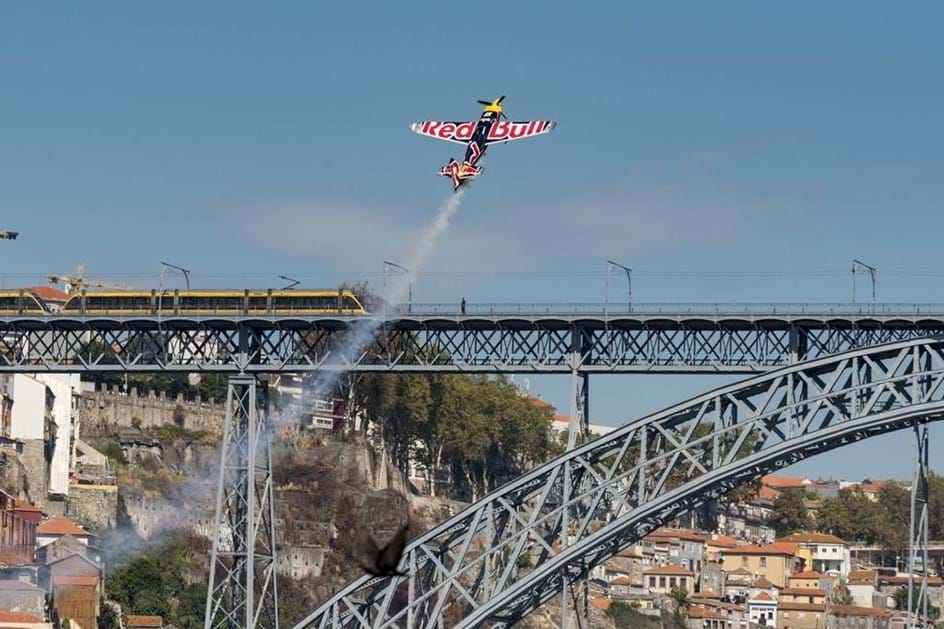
(242, 587)
(579, 423)
(918, 540)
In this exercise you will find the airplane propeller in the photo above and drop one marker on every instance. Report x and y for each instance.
(498, 101)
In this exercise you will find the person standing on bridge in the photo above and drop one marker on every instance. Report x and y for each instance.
(462, 306)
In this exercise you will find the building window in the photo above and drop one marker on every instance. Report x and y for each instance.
(744, 561)
(682, 582)
(672, 582)
(661, 582)
(652, 582)
(763, 562)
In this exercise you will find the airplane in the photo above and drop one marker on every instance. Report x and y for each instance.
(492, 128)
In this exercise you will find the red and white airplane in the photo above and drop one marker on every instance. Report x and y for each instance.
(491, 128)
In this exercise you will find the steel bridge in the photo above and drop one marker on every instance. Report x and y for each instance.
(574, 512)
(490, 338)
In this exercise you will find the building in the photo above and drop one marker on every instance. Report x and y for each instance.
(762, 610)
(887, 586)
(22, 620)
(862, 587)
(32, 424)
(19, 596)
(57, 528)
(75, 589)
(775, 561)
(664, 579)
(855, 617)
(807, 579)
(802, 595)
(737, 584)
(829, 553)
(684, 547)
(801, 616)
(716, 545)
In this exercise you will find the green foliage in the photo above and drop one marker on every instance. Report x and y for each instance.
(851, 515)
(680, 596)
(212, 386)
(482, 428)
(789, 513)
(154, 583)
(626, 617)
(115, 453)
(841, 595)
(169, 433)
(901, 603)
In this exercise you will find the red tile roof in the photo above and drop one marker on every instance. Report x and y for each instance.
(807, 574)
(146, 621)
(621, 581)
(904, 580)
(776, 548)
(785, 482)
(812, 538)
(862, 576)
(763, 596)
(600, 603)
(801, 607)
(673, 570)
(49, 293)
(60, 525)
(852, 610)
(767, 493)
(7, 616)
(703, 612)
(62, 580)
(761, 582)
(669, 534)
(724, 541)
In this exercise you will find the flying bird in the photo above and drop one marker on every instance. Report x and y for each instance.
(382, 561)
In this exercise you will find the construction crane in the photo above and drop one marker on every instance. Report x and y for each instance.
(76, 280)
(5, 235)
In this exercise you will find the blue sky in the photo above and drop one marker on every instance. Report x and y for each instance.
(244, 143)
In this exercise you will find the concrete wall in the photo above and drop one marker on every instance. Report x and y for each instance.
(62, 386)
(152, 515)
(108, 408)
(29, 408)
(34, 464)
(29, 601)
(300, 562)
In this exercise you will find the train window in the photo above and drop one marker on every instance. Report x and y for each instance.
(257, 303)
(74, 304)
(350, 304)
(8, 303)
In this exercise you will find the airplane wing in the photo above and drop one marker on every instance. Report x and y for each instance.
(458, 132)
(506, 131)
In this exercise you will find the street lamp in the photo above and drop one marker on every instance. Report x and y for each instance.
(409, 279)
(168, 265)
(856, 265)
(606, 284)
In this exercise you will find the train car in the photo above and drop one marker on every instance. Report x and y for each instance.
(212, 302)
(21, 302)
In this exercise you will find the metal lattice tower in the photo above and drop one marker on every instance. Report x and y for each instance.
(242, 588)
(918, 547)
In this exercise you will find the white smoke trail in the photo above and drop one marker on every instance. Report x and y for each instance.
(362, 335)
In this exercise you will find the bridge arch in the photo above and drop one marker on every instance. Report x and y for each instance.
(616, 489)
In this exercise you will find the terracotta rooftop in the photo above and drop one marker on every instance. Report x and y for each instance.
(7, 616)
(904, 580)
(621, 581)
(862, 576)
(597, 601)
(814, 538)
(741, 571)
(767, 493)
(704, 612)
(775, 548)
(801, 607)
(725, 541)
(763, 596)
(63, 580)
(685, 534)
(852, 610)
(60, 525)
(17, 559)
(49, 293)
(708, 594)
(147, 621)
(538, 402)
(672, 570)
(785, 482)
(807, 574)
(10, 585)
(25, 506)
(761, 582)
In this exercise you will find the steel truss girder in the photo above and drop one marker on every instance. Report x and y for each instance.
(616, 489)
(549, 345)
(918, 538)
(242, 590)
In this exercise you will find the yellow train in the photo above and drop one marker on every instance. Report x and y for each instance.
(19, 301)
(191, 302)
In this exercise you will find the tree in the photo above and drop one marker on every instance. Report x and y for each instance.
(851, 515)
(680, 596)
(841, 594)
(894, 503)
(901, 603)
(789, 513)
(212, 386)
